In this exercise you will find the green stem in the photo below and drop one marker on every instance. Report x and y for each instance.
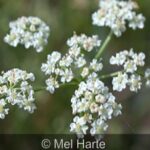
(68, 84)
(104, 45)
(110, 75)
(39, 89)
(116, 73)
(61, 85)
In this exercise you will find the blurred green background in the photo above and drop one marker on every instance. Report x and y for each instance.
(53, 114)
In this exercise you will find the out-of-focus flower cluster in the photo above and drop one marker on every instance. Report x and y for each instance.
(129, 76)
(63, 69)
(28, 31)
(93, 105)
(15, 89)
(115, 14)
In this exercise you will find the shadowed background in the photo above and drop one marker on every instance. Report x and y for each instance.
(53, 114)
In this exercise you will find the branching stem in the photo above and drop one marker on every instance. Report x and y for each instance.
(104, 45)
(61, 85)
(111, 75)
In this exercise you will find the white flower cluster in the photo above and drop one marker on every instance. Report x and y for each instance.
(28, 31)
(115, 14)
(147, 77)
(129, 76)
(84, 42)
(93, 105)
(62, 69)
(15, 89)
